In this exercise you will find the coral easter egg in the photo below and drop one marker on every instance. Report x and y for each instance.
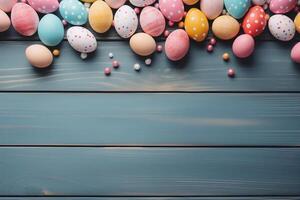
(73, 11)
(212, 8)
(243, 46)
(4, 21)
(282, 6)
(282, 27)
(125, 21)
(115, 4)
(81, 39)
(173, 10)
(237, 8)
(152, 21)
(255, 22)
(177, 45)
(196, 24)
(225, 27)
(295, 53)
(6, 5)
(43, 6)
(142, 44)
(100, 17)
(39, 56)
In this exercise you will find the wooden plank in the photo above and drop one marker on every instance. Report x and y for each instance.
(151, 198)
(150, 119)
(149, 172)
(270, 69)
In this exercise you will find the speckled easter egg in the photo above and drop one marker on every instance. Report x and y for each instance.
(177, 45)
(282, 27)
(4, 21)
(115, 4)
(282, 6)
(141, 3)
(259, 2)
(297, 22)
(225, 27)
(212, 8)
(73, 11)
(24, 19)
(125, 21)
(173, 10)
(142, 44)
(6, 5)
(51, 30)
(44, 6)
(196, 24)
(81, 39)
(243, 46)
(295, 53)
(152, 21)
(237, 8)
(255, 21)
(39, 56)
(100, 17)
(190, 2)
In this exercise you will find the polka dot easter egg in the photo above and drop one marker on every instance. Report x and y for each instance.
(81, 39)
(282, 27)
(196, 24)
(6, 5)
(115, 4)
(255, 21)
(44, 6)
(152, 21)
(125, 21)
(24, 19)
(237, 8)
(282, 6)
(142, 3)
(73, 11)
(173, 10)
(177, 45)
(212, 8)
(259, 2)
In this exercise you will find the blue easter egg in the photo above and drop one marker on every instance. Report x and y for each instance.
(73, 11)
(51, 30)
(237, 8)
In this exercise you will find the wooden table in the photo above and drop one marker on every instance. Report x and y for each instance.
(172, 131)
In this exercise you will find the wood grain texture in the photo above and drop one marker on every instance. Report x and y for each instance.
(151, 198)
(150, 119)
(149, 172)
(270, 69)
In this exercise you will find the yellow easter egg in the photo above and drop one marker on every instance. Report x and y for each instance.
(225, 27)
(88, 1)
(297, 22)
(190, 2)
(100, 16)
(196, 24)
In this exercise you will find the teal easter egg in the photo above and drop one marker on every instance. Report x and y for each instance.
(73, 11)
(51, 30)
(237, 8)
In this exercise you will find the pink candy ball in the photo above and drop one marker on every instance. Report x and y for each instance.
(115, 64)
(243, 46)
(107, 71)
(210, 48)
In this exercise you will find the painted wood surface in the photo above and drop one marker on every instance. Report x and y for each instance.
(149, 171)
(150, 119)
(155, 198)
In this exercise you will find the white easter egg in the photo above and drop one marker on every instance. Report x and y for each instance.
(125, 21)
(142, 3)
(282, 27)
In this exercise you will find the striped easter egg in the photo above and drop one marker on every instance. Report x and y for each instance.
(152, 21)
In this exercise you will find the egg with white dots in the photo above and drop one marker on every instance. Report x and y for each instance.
(282, 27)
(44, 6)
(237, 8)
(73, 11)
(173, 10)
(142, 3)
(259, 2)
(125, 21)
(81, 39)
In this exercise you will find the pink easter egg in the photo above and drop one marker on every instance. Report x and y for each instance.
(24, 19)
(173, 10)
(43, 6)
(152, 21)
(177, 45)
(295, 53)
(115, 4)
(243, 46)
(142, 3)
(282, 6)
(6, 5)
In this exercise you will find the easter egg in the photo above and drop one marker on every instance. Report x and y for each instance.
(142, 3)
(39, 56)
(255, 21)
(237, 8)
(24, 19)
(4, 21)
(51, 30)
(115, 3)
(212, 8)
(259, 2)
(81, 39)
(6, 5)
(295, 53)
(88, 1)
(173, 10)
(142, 44)
(196, 24)
(43, 6)
(282, 27)
(282, 6)
(73, 11)
(100, 16)
(152, 21)
(190, 2)
(243, 46)
(225, 27)
(125, 21)
(177, 45)
(297, 22)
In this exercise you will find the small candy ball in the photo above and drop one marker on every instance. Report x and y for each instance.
(56, 52)
(115, 64)
(243, 46)
(226, 57)
(213, 41)
(210, 48)
(83, 56)
(148, 61)
(64, 22)
(159, 48)
(107, 71)
(137, 67)
(166, 33)
(110, 55)
(171, 23)
(181, 24)
(231, 73)
(137, 10)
